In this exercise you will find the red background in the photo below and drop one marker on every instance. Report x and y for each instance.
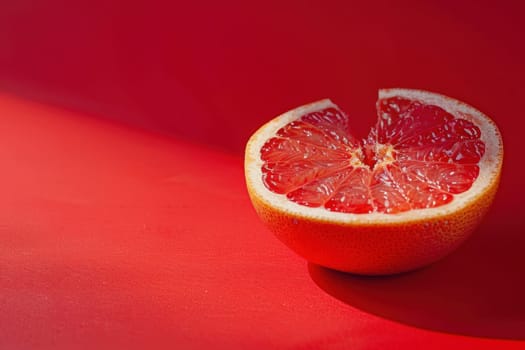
(124, 216)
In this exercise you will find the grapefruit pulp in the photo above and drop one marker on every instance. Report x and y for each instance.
(404, 197)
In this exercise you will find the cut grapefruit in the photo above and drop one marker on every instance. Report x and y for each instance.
(400, 199)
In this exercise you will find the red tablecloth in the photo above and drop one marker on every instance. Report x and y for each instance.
(114, 236)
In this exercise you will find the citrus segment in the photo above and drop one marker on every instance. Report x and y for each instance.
(417, 156)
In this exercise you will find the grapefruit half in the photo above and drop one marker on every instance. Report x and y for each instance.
(402, 198)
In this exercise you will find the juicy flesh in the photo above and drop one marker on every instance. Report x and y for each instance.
(417, 156)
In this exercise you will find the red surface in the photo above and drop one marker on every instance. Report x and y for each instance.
(114, 237)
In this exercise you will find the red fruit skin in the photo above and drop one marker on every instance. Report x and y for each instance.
(377, 248)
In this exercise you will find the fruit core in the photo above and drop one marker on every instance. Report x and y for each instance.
(416, 156)
(377, 155)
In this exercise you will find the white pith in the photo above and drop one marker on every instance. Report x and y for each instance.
(489, 164)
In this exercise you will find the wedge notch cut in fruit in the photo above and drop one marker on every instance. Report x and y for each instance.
(400, 199)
